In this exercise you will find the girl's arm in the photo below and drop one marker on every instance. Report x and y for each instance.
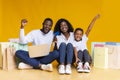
(91, 24)
(76, 55)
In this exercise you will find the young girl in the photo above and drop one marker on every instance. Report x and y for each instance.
(80, 49)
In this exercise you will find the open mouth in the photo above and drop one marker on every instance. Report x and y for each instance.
(46, 30)
(64, 29)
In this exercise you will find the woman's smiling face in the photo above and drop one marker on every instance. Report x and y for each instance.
(64, 27)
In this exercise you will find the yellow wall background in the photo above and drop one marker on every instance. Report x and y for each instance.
(78, 12)
(0, 18)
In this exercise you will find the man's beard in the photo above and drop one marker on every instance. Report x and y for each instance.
(45, 31)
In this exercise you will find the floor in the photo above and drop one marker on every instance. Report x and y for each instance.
(95, 74)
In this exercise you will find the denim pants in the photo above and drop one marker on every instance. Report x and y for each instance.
(24, 57)
(65, 53)
(84, 56)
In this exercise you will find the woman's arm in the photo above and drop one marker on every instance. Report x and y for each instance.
(54, 43)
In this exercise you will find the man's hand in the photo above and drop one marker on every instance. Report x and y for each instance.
(23, 23)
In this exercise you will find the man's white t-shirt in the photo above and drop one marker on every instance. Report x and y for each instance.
(36, 37)
(61, 38)
(82, 44)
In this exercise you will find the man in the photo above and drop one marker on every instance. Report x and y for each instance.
(42, 36)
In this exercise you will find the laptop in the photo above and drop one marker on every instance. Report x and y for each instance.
(38, 50)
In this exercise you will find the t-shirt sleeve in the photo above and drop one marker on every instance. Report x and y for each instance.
(84, 38)
(25, 39)
(74, 44)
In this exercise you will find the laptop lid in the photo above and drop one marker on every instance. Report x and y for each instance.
(38, 50)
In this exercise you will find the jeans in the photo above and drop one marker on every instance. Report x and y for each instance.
(65, 53)
(24, 57)
(84, 56)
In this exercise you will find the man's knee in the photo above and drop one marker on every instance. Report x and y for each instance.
(56, 54)
(17, 53)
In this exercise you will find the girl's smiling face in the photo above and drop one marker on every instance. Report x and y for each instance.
(78, 35)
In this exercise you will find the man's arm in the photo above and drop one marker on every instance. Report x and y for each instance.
(23, 23)
(24, 39)
(91, 24)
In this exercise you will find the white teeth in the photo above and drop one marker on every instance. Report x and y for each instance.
(64, 28)
(46, 28)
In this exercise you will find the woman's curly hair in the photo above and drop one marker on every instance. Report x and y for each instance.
(57, 30)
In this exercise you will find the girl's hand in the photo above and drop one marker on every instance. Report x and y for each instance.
(77, 60)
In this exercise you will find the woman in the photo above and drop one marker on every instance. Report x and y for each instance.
(64, 38)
